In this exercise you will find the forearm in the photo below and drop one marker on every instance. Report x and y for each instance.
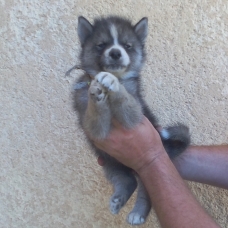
(173, 202)
(204, 164)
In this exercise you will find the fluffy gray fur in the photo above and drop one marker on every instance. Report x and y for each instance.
(112, 56)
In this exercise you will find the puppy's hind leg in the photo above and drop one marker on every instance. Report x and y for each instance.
(142, 206)
(125, 108)
(97, 119)
(124, 183)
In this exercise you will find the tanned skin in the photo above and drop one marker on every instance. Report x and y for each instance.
(173, 202)
(204, 164)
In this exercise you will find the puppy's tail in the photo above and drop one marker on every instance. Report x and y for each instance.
(175, 139)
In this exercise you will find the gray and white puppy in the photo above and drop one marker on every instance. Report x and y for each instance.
(112, 56)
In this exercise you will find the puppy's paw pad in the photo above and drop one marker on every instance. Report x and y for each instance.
(109, 81)
(135, 218)
(116, 203)
(97, 93)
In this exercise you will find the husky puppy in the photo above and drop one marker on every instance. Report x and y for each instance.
(112, 56)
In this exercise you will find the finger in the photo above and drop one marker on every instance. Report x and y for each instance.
(158, 128)
(145, 121)
(101, 161)
(99, 145)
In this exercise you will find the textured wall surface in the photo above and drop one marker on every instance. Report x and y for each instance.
(48, 175)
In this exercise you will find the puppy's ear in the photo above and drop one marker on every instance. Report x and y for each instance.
(141, 29)
(85, 29)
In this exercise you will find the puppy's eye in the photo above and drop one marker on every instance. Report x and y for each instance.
(101, 45)
(128, 46)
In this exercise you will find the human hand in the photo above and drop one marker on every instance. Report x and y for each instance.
(135, 148)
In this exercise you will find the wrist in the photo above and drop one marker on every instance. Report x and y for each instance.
(151, 160)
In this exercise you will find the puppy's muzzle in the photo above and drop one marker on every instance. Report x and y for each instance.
(115, 54)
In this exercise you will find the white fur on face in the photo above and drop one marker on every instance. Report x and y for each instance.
(124, 56)
(114, 34)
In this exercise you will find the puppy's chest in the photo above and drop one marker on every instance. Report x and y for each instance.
(131, 86)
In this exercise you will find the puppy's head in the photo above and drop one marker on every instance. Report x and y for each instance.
(113, 45)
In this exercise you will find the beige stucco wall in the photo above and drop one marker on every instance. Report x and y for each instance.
(48, 176)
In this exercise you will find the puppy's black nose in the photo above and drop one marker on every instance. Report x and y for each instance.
(115, 54)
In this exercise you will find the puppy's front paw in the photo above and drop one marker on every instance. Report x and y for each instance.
(97, 92)
(109, 81)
